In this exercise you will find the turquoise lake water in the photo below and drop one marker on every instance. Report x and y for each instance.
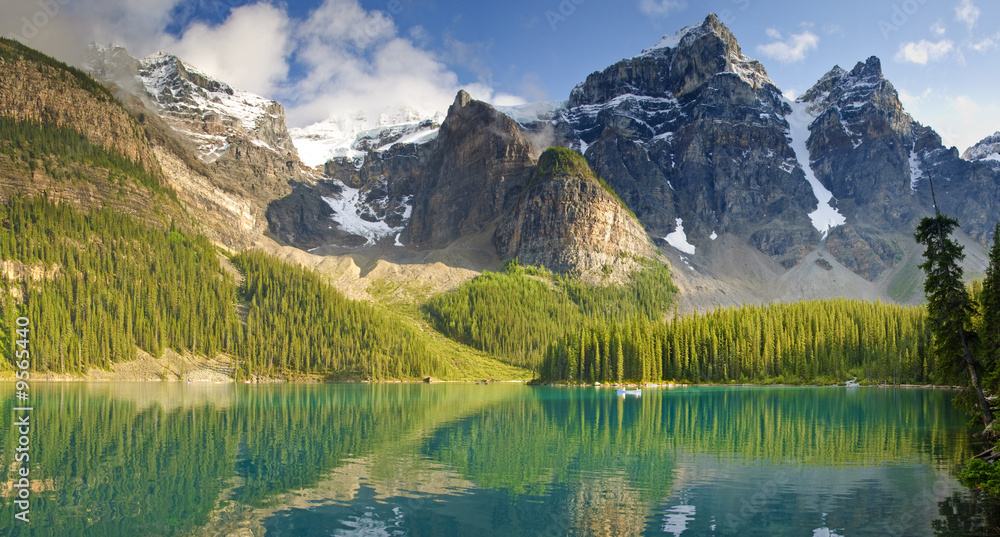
(114, 459)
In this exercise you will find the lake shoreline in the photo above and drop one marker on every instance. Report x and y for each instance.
(109, 377)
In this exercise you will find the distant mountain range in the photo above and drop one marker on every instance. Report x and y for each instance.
(749, 195)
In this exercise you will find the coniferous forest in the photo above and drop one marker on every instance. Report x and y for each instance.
(104, 286)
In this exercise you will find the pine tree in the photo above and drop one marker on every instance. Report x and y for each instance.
(989, 333)
(948, 305)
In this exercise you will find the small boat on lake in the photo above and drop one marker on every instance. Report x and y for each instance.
(637, 391)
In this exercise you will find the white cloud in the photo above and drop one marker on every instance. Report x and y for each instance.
(923, 51)
(63, 29)
(660, 8)
(338, 60)
(967, 108)
(772, 33)
(483, 92)
(967, 12)
(355, 62)
(985, 44)
(248, 50)
(961, 120)
(792, 50)
(938, 28)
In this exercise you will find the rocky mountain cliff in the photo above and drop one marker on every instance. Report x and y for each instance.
(751, 195)
(693, 133)
(226, 152)
(424, 193)
(569, 221)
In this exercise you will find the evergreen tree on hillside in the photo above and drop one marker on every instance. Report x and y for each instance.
(949, 307)
(990, 306)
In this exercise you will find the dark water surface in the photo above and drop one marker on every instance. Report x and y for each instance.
(114, 459)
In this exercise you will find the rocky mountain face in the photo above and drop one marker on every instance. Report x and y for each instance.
(702, 147)
(693, 133)
(425, 193)
(567, 221)
(210, 111)
(879, 164)
(226, 152)
(861, 148)
(480, 163)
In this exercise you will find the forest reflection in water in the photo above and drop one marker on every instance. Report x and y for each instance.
(503, 459)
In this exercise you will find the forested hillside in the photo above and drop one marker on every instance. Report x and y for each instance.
(98, 286)
(101, 285)
(297, 323)
(516, 313)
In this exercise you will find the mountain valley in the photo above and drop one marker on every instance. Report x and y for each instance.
(686, 155)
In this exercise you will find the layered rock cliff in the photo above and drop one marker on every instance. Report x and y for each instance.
(481, 162)
(569, 222)
(50, 102)
(36, 88)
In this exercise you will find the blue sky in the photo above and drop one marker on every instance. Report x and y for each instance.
(323, 57)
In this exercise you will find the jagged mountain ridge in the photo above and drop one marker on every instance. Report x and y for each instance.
(477, 177)
(691, 133)
(227, 152)
(677, 132)
(868, 156)
(986, 149)
(351, 137)
(698, 141)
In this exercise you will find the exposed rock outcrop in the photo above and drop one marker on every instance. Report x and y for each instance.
(479, 164)
(567, 221)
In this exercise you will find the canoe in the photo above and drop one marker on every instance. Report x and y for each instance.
(630, 392)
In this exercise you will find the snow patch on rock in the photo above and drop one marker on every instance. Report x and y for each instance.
(826, 216)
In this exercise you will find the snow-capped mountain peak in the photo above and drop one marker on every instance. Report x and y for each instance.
(210, 111)
(352, 136)
(747, 68)
(688, 33)
(988, 149)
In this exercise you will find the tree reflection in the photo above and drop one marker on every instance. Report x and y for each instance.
(968, 514)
